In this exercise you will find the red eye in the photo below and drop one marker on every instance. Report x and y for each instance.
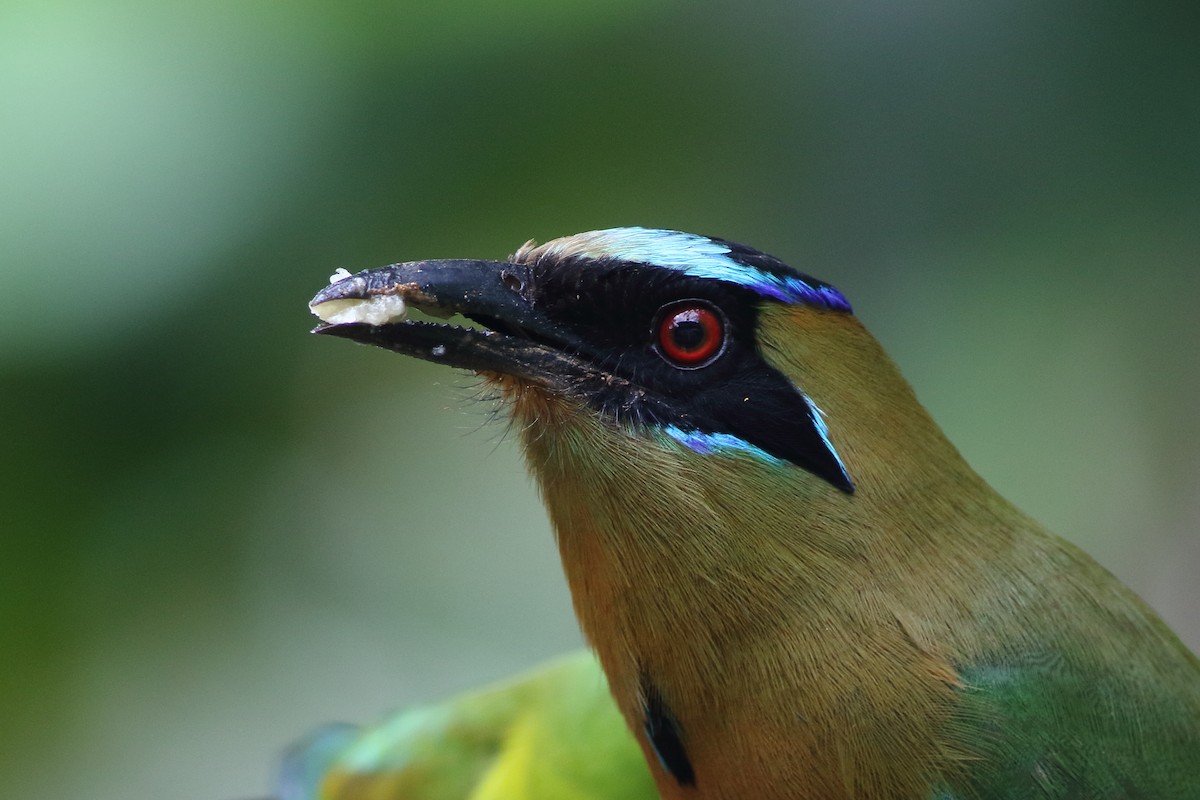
(690, 334)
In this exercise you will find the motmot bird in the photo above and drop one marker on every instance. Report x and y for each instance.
(795, 585)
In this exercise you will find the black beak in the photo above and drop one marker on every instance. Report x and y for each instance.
(516, 339)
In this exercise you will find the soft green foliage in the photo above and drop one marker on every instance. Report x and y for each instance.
(551, 735)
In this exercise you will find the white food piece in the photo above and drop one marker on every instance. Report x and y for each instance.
(378, 310)
(340, 274)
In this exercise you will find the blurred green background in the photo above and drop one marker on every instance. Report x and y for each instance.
(219, 531)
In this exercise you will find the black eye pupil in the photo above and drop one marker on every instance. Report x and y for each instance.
(688, 334)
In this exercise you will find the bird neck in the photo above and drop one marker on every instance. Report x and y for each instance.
(692, 571)
(644, 524)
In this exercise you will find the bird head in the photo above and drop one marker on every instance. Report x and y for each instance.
(698, 345)
(678, 394)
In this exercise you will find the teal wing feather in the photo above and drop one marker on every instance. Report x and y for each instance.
(1049, 728)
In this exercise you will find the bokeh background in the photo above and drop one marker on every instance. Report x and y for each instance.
(217, 531)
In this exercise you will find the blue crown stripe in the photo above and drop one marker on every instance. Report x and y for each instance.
(699, 257)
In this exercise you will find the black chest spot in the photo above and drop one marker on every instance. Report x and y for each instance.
(665, 735)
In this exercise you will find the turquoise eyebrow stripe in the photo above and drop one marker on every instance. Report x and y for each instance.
(701, 257)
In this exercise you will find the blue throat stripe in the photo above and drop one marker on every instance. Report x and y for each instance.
(823, 431)
(697, 256)
(707, 444)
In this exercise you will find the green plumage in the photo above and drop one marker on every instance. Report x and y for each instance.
(1060, 730)
(1106, 717)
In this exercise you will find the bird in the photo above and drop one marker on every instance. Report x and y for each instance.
(795, 585)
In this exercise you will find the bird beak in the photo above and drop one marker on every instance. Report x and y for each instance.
(371, 307)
